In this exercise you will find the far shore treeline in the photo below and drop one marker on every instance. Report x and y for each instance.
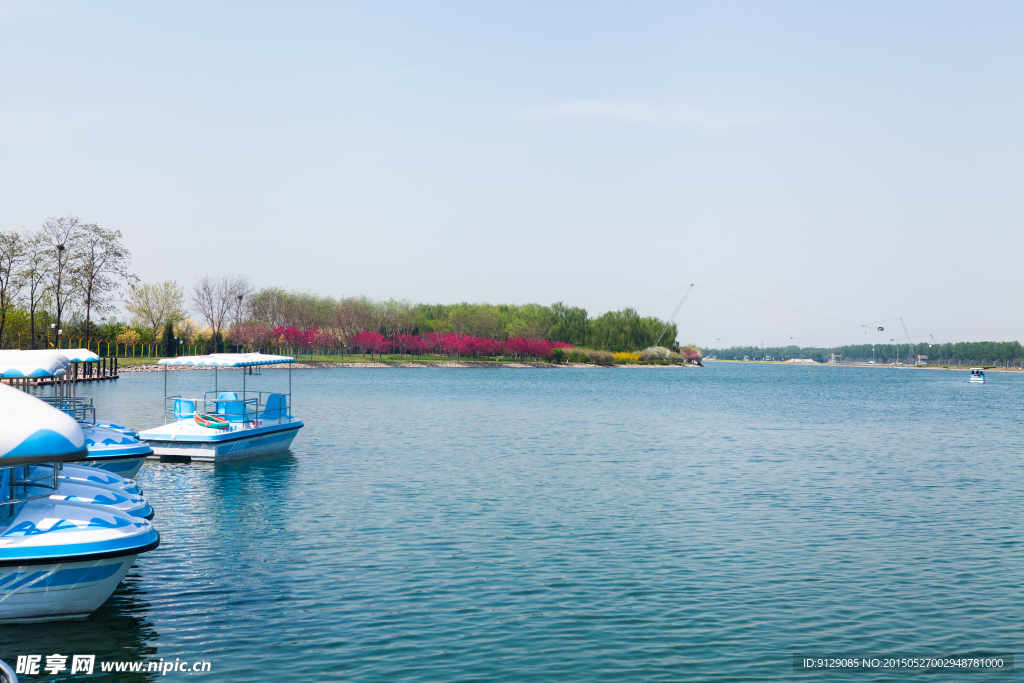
(953, 353)
(60, 285)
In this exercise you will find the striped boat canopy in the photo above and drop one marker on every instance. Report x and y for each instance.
(227, 360)
(32, 431)
(78, 355)
(32, 364)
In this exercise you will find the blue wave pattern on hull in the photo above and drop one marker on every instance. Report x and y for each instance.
(60, 577)
(28, 528)
(256, 442)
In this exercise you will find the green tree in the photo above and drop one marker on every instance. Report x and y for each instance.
(11, 253)
(571, 324)
(154, 304)
(102, 266)
(168, 345)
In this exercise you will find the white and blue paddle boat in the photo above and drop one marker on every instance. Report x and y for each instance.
(59, 558)
(224, 425)
(977, 376)
(110, 446)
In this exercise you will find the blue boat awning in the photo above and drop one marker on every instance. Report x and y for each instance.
(32, 364)
(32, 431)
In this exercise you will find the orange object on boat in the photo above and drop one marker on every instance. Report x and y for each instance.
(211, 421)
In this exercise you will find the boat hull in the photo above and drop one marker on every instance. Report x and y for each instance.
(123, 467)
(248, 444)
(58, 590)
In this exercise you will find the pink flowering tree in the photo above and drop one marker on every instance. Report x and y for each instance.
(371, 341)
(251, 336)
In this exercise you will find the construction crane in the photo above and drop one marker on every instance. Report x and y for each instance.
(910, 351)
(674, 314)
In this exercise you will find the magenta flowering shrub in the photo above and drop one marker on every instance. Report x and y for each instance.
(451, 344)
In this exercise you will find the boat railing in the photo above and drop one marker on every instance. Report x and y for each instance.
(21, 484)
(79, 407)
(249, 408)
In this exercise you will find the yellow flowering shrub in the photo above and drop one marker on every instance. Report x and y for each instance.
(626, 355)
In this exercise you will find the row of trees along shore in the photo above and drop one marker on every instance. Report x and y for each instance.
(60, 285)
(953, 353)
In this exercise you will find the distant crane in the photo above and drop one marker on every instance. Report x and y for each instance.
(910, 350)
(674, 314)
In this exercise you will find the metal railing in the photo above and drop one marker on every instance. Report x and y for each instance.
(18, 488)
(79, 407)
(253, 407)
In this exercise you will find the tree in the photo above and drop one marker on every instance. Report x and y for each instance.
(168, 344)
(11, 253)
(186, 329)
(33, 275)
(241, 290)
(571, 324)
(156, 304)
(62, 236)
(102, 265)
(215, 299)
(128, 337)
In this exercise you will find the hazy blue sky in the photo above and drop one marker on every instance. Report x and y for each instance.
(857, 160)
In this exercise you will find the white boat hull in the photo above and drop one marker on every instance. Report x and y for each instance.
(126, 468)
(245, 447)
(61, 590)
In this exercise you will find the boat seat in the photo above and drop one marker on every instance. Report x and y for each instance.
(227, 396)
(234, 411)
(275, 408)
(184, 408)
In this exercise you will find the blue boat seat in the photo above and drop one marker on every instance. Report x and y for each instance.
(184, 408)
(227, 396)
(275, 408)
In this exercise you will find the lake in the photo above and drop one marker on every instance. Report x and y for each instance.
(636, 524)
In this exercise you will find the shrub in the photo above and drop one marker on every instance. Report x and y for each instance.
(558, 355)
(625, 356)
(600, 357)
(654, 353)
(576, 356)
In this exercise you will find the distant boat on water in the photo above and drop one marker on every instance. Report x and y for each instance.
(977, 376)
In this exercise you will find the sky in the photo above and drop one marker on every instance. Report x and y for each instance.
(816, 169)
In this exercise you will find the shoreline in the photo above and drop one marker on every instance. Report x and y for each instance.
(315, 365)
(888, 366)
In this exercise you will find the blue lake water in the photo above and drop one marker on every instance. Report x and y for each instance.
(578, 524)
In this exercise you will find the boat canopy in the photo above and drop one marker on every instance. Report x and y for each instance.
(32, 364)
(227, 360)
(32, 431)
(78, 355)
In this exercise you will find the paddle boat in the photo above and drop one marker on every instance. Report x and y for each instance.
(224, 425)
(110, 446)
(977, 376)
(59, 559)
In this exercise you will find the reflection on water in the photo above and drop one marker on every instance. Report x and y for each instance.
(119, 630)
